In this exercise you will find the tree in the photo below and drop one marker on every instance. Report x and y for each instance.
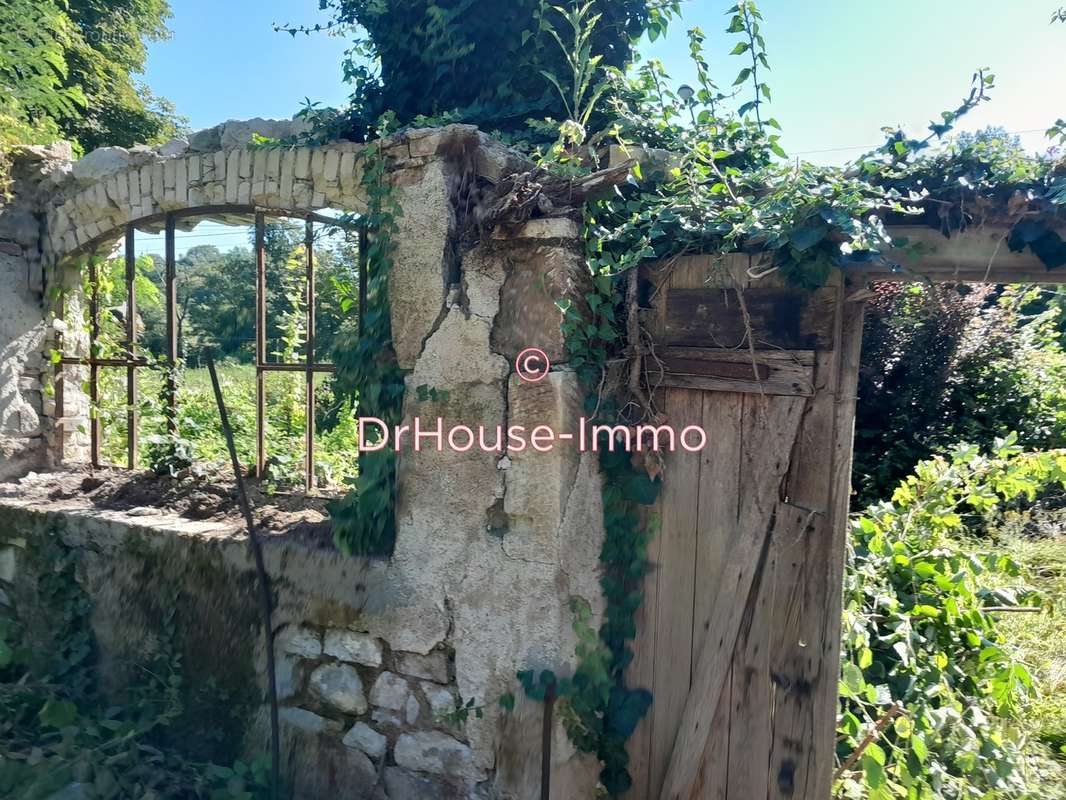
(34, 39)
(66, 71)
(103, 59)
(480, 59)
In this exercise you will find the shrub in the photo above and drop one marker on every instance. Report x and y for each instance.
(943, 364)
(918, 637)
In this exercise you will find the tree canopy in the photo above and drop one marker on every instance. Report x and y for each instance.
(481, 60)
(67, 71)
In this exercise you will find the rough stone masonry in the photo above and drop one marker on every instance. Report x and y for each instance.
(373, 654)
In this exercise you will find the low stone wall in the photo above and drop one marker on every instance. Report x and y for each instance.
(361, 716)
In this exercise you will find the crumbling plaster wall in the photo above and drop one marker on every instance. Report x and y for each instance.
(490, 547)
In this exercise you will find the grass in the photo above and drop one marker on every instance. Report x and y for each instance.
(1041, 638)
(336, 444)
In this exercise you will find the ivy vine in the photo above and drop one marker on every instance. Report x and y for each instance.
(364, 521)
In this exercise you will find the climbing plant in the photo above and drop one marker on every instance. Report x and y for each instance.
(475, 60)
(930, 694)
(57, 731)
(364, 520)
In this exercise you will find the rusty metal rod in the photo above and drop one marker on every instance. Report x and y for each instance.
(309, 377)
(94, 369)
(171, 291)
(104, 362)
(282, 366)
(546, 743)
(260, 344)
(131, 349)
(265, 594)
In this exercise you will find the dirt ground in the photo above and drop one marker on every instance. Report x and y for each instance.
(210, 497)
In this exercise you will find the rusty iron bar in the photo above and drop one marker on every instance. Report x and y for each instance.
(94, 369)
(58, 380)
(260, 344)
(546, 743)
(130, 361)
(131, 349)
(265, 594)
(284, 366)
(309, 375)
(104, 362)
(171, 301)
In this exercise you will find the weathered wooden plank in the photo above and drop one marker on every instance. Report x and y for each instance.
(676, 585)
(719, 505)
(799, 557)
(749, 723)
(770, 443)
(786, 372)
(749, 719)
(779, 318)
(825, 694)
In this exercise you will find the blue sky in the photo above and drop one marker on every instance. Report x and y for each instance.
(841, 68)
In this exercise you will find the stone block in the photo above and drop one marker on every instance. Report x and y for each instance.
(538, 276)
(358, 648)
(302, 163)
(390, 691)
(339, 686)
(364, 738)
(207, 140)
(308, 721)
(402, 784)
(244, 165)
(303, 642)
(233, 175)
(101, 163)
(437, 753)
(175, 147)
(539, 483)
(441, 699)
(412, 710)
(432, 667)
(8, 564)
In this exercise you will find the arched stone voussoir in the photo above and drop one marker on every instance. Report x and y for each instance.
(112, 187)
(142, 187)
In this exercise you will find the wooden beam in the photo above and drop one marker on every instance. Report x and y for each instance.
(976, 255)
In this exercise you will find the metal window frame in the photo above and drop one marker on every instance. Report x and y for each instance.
(132, 361)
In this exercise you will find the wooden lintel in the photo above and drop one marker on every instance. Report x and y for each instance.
(976, 255)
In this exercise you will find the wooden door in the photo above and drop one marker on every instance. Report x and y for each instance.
(738, 635)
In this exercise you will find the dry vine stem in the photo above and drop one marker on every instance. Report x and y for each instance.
(895, 710)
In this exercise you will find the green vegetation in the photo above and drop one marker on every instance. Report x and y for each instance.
(364, 522)
(66, 72)
(1036, 539)
(203, 443)
(944, 364)
(925, 654)
(470, 60)
(57, 730)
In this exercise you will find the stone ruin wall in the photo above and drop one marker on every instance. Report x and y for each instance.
(490, 550)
